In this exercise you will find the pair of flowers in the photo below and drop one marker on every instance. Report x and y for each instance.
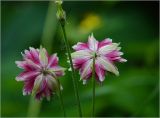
(41, 71)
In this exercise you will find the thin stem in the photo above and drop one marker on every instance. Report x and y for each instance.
(93, 82)
(73, 71)
(61, 98)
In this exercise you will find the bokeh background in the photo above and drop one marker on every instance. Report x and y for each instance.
(135, 24)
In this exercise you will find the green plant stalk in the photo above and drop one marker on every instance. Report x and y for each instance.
(72, 68)
(93, 85)
(61, 97)
(46, 41)
(34, 107)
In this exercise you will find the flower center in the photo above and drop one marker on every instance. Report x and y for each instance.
(44, 71)
(96, 54)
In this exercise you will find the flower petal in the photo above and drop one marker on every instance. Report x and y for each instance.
(46, 92)
(105, 42)
(53, 60)
(80, 46)
(122, 60)
(26, 75)
(107, 65)
(32, 54)
(43, 57)
(43, 90)
(108, 48)
(57, 71)
(115, 56)
(81, 53)
(114, 53)
(35, 55)
(32, 64)
(28, 86)
(77, 62)
(86, 70)
(52, 83)
(92, 43)
(38, 84)
(100, 72)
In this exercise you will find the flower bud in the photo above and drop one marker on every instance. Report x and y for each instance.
(61, 15)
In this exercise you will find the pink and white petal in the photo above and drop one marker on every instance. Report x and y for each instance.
(28, 86)
(108, 48)
(122, 60)
(80, 46)
(77, 62)
(100, 72)
(39, 84)
(44, 90)
(44, 93)
(35, 55)
(31, 64)
(105, 42)
(39, 95)
(114, 58)
(88, 76)
(118, 59)
(86, 69)
(43, 56)
(52, 60)
(24, 65)
(92, 43)
(48, 92)
(81, 53)
(114, 53)
(107, 65)
(52, 83)
(27, 75)
(27, 54)
(57, 71)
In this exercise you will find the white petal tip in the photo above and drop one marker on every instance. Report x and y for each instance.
(123, 60)
(61, 87)
(109, 39)
(31, 48)
(74, 46)
(101, 79)
(84, 82)
(92, 34)
(24, 93)
(18, 79)
(17, 62)
(48, 98)
(68, 61)
(69, 69)
(117, 74)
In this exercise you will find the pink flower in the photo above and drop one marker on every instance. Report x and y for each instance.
(105, 53)
(40, 73)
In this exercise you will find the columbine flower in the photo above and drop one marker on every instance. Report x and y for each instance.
(105, 53)
(40, 73)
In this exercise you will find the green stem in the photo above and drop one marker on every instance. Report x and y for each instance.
(93, 82)
(34, 107)
(61, 98)
(73, 71)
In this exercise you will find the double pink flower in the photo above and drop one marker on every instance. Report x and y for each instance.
(105, 54)
(40, 73)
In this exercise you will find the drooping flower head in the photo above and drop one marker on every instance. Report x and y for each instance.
(105, 53)
(40, 73)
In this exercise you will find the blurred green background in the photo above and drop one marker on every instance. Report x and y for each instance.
(135, 24)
